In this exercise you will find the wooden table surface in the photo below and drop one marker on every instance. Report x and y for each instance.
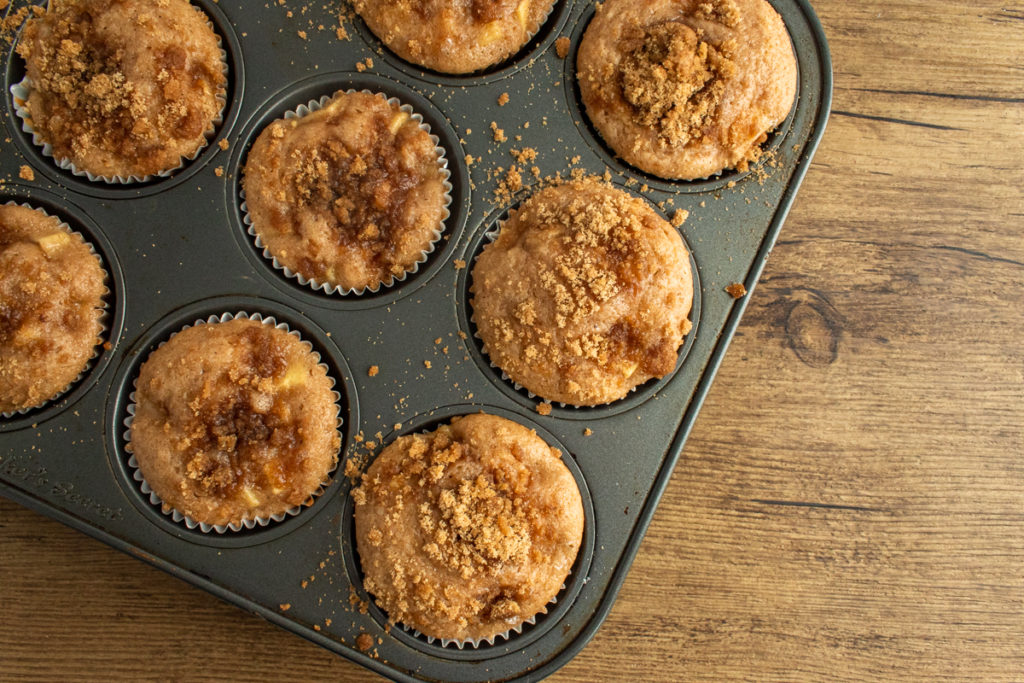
(850, 505)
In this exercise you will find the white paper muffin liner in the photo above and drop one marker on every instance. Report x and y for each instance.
(477, 642)
(326, 287)
(247, 523)
(104, 316)
(20, 92)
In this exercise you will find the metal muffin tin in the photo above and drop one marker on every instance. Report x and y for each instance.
(177, 250)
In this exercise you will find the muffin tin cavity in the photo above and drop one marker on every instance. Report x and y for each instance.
(113, 319)
(528, 633)
(119, 417)
(541, 41)
(578, 114)
(47, 166)
(313, 89)
(474, 345)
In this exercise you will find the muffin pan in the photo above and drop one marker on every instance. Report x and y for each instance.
(177, 250)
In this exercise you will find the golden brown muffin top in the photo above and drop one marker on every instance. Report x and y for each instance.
(351, 195)
(51, 302)
(123, 87)
(686, 88)
(466, 532)
(584, 294)
(454, 36)
(234, 421)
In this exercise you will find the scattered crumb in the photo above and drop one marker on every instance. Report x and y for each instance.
(364, 65)
(302, 34)
(469, 160)
(223, 144)
(219, 171)
(372, 372)
(562, 47)
(679, 217)
(26, 173)
(285, 606)
(503, 99)
(499, 134)
(588, 431)
(426, 364)
(544, 408)
(316, 627)
(364, 642)
(459, 264)
(736, 290)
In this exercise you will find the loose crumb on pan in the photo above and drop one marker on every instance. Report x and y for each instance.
(679, 217)
(544, 408)
(26, 172)
(499, 134)
(372, 372)
(364, 642)
(588, 431)
(562, 47)
(224, 144)
(736, 290)
(459, 264)
(503, 99)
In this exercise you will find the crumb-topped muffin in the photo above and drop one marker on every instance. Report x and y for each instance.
(234, 421)
(584, 294)
(454, 36)
(351, 195)
(466, 532)
(686, 88)
(51, 305)
(123, 88)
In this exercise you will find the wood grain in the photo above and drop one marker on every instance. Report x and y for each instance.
(850, 505)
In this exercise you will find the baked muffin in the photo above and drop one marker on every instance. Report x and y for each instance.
(584, 294)
(686, 88)
(454, 36)
(51, 304)
(234, 421)
(469, 531)
(350, 196)
(123, 88)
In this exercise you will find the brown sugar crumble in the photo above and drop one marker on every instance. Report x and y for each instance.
(26, 173)
(562, 47)
(736, 290)
(675, 82)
